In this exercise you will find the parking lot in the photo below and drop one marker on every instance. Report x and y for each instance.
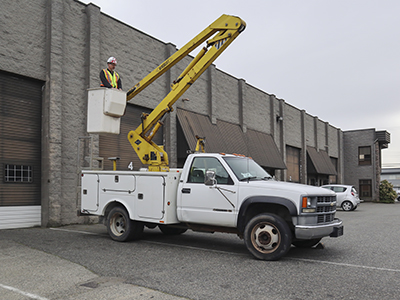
(82, 262)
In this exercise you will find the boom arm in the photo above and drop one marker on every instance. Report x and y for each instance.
(224, 30)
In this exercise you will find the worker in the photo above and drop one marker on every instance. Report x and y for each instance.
(109, 77)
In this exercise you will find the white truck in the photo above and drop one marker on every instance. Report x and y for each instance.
(212, 192)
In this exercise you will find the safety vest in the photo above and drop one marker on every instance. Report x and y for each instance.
(112, 79)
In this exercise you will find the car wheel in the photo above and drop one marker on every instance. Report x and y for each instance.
(267, 237)
(347, 205)
(120, 227)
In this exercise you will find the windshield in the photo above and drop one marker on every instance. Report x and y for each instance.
(246, 169)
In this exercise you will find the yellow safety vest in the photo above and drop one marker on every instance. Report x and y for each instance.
(111, 78)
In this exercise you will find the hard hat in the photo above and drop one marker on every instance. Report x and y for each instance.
(112, 60)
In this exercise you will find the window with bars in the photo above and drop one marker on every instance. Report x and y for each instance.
(18, 173)
(365, 187)
(364, 155)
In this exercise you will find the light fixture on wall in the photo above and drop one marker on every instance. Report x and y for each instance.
(279, 118)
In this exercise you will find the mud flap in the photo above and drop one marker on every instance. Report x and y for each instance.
(337, 231)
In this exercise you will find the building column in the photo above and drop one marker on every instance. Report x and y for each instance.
(242, 100)
(340, 156)
(282, 135)
(303, 153)
(212, 89)
(52, 115)
(170, 128)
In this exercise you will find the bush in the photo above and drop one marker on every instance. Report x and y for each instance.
(386, 192)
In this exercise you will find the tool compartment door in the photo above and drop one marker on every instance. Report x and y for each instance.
(90, 192)
(150, 197)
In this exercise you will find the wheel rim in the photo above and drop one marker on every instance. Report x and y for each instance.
(347, 206)
(265, 237)
(118, 224)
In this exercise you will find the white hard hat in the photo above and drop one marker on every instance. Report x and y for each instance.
(112, 60)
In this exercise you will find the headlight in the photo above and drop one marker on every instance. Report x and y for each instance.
(307, 205)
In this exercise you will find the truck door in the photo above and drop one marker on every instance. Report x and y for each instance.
(215, 205)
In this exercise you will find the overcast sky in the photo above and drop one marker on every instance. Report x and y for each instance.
(338, 60)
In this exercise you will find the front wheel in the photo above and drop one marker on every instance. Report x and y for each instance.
(347, 206)
(120, 227)
(267, 237)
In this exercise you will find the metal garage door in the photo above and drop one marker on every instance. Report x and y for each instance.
(119, 146)
(20, 140)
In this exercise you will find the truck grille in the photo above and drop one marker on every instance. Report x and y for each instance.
(326, 208)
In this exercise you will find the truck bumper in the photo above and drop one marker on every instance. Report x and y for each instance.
(307, 232)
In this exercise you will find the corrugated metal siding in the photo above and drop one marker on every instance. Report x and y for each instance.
(321, 161)
(20, 216)
(229, 138)
(20, 137)
(119, 146)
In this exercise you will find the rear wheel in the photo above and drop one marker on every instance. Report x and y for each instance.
(120, 227)
(347, 206)
(267, 237)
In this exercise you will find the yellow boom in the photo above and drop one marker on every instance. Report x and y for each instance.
(220, 35)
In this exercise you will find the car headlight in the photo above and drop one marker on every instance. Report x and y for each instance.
(307, 205)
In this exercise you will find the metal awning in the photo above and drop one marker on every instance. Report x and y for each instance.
(321, 161)
(229, 138)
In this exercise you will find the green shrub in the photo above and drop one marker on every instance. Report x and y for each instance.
(386, 192)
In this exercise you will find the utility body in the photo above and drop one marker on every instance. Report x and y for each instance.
(213, 192)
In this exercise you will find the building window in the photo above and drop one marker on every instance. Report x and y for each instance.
(364, 156)
(365, 188)
(17, 173)
(293, 164)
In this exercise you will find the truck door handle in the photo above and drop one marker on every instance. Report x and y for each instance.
(186, 191)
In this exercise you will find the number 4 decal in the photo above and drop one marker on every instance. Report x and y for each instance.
(130, 166)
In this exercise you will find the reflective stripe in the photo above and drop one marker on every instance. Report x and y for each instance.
(111, 78)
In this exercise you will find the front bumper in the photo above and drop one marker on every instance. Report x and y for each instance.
(307, 232)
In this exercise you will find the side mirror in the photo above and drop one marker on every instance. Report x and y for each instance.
(210, 178)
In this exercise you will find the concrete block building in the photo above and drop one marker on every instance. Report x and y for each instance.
(53, 50)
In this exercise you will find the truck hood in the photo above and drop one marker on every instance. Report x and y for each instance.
(283, 188)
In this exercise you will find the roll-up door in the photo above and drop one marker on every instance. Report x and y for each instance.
(20, 140)
(119, 146)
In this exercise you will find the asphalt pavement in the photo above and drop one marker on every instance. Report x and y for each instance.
(82, 262)
(27, 273)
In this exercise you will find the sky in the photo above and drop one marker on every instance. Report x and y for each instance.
(338, 60)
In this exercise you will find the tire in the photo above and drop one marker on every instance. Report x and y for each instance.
(120, 227)
(168, 230)
(347, 206)
(267, 237)
(306, 243)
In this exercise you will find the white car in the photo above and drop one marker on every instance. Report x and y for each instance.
(347, 196)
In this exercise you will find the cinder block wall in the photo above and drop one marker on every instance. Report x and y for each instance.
(66, 43)
(351, 141)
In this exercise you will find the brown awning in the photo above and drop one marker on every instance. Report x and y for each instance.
(229, 138)
(321, 161)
